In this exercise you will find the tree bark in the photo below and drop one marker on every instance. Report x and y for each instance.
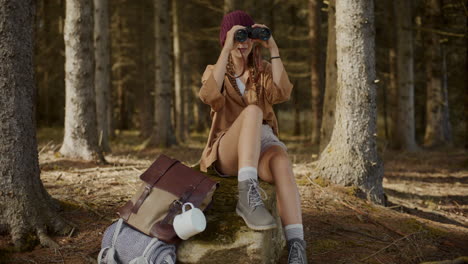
(230, 5)
(315, 73)
(329, 105)
(146, 59)
(351, 157)
(404, 127)
(438, 129)
(25, 206)
(124, 62)
(189, 99)
(297, 112)
(391, 92)
(80, 139)
(50, 76)
(163, 131)
(179, 93)
(102, 70)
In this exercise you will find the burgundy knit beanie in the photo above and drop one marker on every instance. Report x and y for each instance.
(237, 17)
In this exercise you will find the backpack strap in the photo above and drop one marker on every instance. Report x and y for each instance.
(143, 259)
(110, 256)
(169, 260)
(151, 176)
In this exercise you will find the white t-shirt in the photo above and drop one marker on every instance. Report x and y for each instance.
(241, 85)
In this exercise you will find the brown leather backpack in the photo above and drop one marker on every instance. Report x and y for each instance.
(167, 185)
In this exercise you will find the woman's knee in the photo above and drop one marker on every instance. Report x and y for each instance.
(279, 161)
(253, 111)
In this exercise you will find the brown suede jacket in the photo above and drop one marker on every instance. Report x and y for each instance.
(226, 106)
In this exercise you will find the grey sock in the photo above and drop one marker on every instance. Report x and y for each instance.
(294, 231)
(246, 173)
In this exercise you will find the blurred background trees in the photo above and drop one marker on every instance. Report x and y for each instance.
(420, 99)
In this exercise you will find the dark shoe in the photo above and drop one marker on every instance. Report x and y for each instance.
(251, 208)
(297, 251)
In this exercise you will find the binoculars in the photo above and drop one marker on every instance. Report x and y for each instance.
(241, 35)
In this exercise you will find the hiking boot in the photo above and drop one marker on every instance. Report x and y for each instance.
(251, 208)
(297, 251)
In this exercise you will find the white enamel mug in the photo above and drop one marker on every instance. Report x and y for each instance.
(190, 222)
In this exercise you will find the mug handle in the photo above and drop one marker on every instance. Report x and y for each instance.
(183, 207)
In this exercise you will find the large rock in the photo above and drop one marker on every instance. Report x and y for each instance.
(227, 239)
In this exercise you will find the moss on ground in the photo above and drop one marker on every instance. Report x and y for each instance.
(302, 181)
(67, 205)
(321, 181)
(411, 225)
(325, 245)
(352, 190)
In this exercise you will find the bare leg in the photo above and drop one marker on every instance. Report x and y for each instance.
(240, 149)
(275, 167)
(240, 146)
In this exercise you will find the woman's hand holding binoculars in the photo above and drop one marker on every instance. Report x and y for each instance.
(257, 33)
(268, 44)
(230, 44)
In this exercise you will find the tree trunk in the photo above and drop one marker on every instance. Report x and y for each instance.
(297, 111)
(315, 73)
(230, 5)
(391, 93)
(25, 207)
(146, 59)
(188, 95)
(179, 93)
(329, 105)
(124, 65)
(102, 70)
(163, 131)
(351, 157)
(80, 139)
(404, 126)
(50, 76)
(438, 129)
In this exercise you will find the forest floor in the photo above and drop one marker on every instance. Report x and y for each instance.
(426, 220)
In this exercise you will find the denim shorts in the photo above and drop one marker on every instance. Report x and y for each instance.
(268, 139)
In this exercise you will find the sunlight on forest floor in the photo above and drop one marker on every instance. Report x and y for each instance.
(427, 219)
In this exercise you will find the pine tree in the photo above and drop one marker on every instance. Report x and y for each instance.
(351, 157)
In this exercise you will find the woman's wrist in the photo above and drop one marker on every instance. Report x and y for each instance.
(225, 51)
(274, 53)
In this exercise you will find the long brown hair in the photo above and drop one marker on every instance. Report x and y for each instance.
(254, 60)
(255, 65)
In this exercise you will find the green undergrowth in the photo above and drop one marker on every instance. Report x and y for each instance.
(322, 182)
(324, 245)
(412, 225)
(30, 241)
(351, 190)
(68, 206)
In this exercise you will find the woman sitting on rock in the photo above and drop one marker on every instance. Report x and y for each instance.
(241, 89)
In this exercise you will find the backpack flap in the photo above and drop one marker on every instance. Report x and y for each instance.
(166, 185)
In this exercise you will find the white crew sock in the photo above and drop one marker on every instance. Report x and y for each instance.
(246, 173)
(294, 231)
